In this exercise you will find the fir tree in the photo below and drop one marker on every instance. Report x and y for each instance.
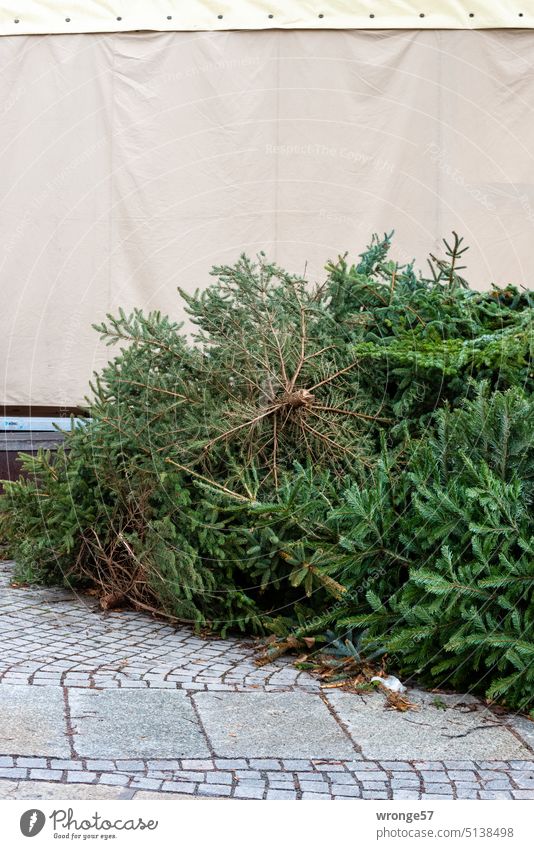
(354, 456)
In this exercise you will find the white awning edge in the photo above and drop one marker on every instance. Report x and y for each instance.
(32, 17)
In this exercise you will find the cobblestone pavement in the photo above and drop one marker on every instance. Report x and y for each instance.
(275, 778)
(50, 636)
(63, 663)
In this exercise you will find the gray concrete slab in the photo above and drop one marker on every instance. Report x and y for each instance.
(525, 729)
(54, 790)
(135, 724)
(284, 725)
(464, 730)
(32, 721)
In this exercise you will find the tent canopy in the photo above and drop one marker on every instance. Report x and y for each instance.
(67, 16)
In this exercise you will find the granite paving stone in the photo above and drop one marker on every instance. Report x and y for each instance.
(397, 783)
(146, 783)
(427, 734)
(524, 783)
(214, 790)
(81, 775)
(282, 785)
(131, 766)
(292, 725)
(498, 784)
(46, 774)
(297, 765)
(314, 786)
(461, 775)
(341, 778)
(466, 793)
(347, 790)
(65, 763)
(438, 788)
(219, 778)
(442, 796)
(494, 794)
(52, 790)
(114, 778)
(150, 724)
(242, 792)
(281, 794)
(31, 762)
(13, 772)
(32, 721)
(309, 776)
(179, 787)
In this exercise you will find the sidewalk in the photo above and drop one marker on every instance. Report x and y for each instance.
(118, 705)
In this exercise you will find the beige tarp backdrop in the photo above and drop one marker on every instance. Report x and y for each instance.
(130, 163)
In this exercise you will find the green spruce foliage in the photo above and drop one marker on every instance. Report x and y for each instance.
(349, 459)
(464, 615)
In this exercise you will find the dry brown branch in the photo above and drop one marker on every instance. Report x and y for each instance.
(350, 413)
(207, 480)
(302, 358)
(249, 423)
(327, 439)
(153, 388)
(275, 450)
(333, 376)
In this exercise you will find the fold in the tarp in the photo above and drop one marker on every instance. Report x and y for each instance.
(131, 163)
(70, 16)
